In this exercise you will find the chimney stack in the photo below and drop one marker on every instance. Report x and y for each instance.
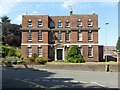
(71, 10)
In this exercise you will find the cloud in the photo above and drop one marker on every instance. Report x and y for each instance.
(109, 3)
(35, 12)
(68, 3)
(7, 5)
(18, 19)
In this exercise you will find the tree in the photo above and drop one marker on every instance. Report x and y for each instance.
(118, 45)
(5, 20)
(11, 34)
(74, 55)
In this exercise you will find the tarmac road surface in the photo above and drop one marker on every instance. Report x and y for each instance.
(56, 78)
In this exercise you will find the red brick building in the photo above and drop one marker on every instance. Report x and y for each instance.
(51, 36)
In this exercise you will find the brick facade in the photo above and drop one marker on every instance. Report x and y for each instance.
(50, 49)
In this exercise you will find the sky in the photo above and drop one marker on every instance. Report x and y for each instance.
(107, 12)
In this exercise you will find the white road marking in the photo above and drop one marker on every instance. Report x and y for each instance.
(98, 84)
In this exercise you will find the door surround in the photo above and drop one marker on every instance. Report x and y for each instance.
(62, 54)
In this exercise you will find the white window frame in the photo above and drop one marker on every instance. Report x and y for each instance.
(66, 36)
(29, 23)
(29, 36)
(40, 23)
(39, 51)
(61, 35)
(79, 25)
(63, 53)
(40, 36)
(67, 22)
(79, 36)
(81, 50)
(59, 25)
(90, 36)
(90, 23)
(29, 54)
(91, 52)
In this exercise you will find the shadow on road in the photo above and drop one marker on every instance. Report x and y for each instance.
(33, 78)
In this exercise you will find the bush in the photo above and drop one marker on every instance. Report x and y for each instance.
(21, 60)
(8, 51)
(41, 60)
(18, 52)
(11, 59)
(74, 55)
(32, 59)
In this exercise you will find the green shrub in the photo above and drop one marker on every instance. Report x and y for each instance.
(11, 52)
(11, 59)
(8, 51)
(32, 59)
(18, 53)
(21, 60)
(41, 60)
(74, 55)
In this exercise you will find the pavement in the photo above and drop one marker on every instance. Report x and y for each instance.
(57, 78)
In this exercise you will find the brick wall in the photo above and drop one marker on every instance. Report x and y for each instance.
(34, 19)
(24, 51)
(84, 18)
(73, 33)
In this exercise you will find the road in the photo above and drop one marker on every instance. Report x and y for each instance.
(54, 78)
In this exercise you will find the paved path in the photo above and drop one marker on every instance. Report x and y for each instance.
(54, 78)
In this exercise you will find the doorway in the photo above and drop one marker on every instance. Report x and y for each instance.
(59, 54)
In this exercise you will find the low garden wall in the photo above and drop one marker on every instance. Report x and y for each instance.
(82, 67)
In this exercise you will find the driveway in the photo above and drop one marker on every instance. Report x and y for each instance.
(57, 78)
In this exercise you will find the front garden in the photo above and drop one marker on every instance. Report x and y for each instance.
(12, 56)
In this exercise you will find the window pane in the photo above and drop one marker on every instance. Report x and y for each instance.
(79, 23)
(39, 36)
(59, 36)
(79, 36)
(90, 23)
(67, 24)
(90, 52)
(29, 36)
(29, 51)
(29, 23)
(80, 50)
(39, 23)
(89, 35)
(39, 52)
(52, 24)
(52, 37)
(59, 24)
(67, 36)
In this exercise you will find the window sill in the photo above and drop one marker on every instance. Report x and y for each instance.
(61, 41)
(39, 56)
(30, 26)
(40, 26)
(67, 27)
(40, 40)
(67, 41)
(90, 25)
(60, 27)
(90, 56)
(29, 40)
(80, 26)
(79, 40)
(90, 40)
